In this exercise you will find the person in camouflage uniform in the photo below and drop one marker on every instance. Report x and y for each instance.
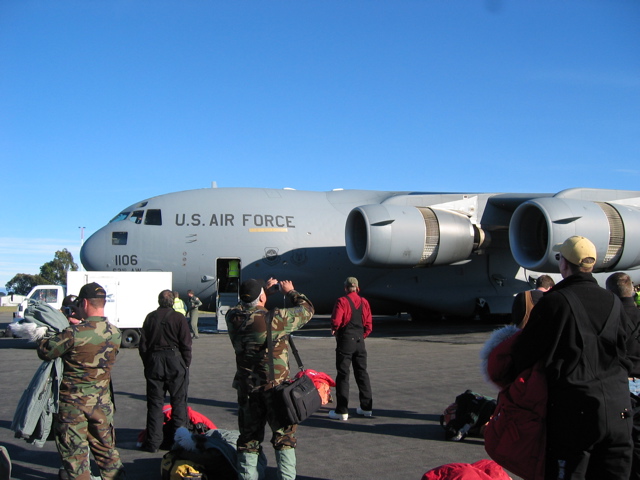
(85, 416)
(246, 324)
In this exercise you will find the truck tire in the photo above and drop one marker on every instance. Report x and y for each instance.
(130, 338)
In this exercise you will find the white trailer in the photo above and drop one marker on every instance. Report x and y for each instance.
(130, 297)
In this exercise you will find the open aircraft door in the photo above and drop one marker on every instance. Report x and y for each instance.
(227, 288)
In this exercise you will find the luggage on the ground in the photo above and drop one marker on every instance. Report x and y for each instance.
(198, 423)
(467, 415)
(300, 399)
(207, 465)
(211, 456)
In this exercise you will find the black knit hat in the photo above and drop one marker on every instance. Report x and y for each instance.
(70, 300)
(251, 289)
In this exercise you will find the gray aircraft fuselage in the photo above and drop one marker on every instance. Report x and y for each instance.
(450, 253)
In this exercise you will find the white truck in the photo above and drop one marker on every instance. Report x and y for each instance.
(130, 297)
(52, 294)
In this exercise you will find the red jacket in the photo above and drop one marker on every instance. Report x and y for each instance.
(194, 418)
(515, 437)
(342, 313)
(481, 470)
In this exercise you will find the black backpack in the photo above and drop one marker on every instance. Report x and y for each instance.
(467, 415)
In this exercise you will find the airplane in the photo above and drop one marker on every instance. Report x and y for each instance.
(433, 255)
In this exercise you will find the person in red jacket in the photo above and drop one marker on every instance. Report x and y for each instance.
(351, 323)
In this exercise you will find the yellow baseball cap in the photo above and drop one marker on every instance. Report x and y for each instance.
(577, 250)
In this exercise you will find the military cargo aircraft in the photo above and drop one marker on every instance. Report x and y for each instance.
(445, 254)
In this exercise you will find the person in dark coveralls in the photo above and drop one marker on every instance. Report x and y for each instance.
(165, 349)
(247, 326)
(583, 355)
(524, 302)
(84, 421)
(194, 311)
(620, 283)
(351, 323)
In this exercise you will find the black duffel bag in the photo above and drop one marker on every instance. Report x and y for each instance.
(299, 399)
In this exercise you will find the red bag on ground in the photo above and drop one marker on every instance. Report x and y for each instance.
(195, 418)
(322, 381)
(481, 470)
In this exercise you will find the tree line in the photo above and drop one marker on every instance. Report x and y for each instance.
(51, 273)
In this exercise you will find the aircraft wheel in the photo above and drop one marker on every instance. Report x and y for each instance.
(130, 338)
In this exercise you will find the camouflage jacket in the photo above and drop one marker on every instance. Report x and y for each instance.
(88, 351)
(248, 333)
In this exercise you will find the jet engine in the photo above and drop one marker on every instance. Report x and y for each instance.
(537, 225)
(405, 236)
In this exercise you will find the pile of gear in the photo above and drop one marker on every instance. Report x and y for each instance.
(207, 456)
(467, 416)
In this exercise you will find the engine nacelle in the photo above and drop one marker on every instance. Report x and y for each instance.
(537, 225)
(405, 236)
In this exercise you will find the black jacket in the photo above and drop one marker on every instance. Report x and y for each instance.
(555, 337)
(585, 362)
(174, 334)
(519, 306)
(633, 334)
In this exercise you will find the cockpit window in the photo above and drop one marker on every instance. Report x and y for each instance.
(119, 238)
(136, 217)
(121, 216)
(154, 217)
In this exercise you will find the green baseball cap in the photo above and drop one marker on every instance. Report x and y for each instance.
(351, 282)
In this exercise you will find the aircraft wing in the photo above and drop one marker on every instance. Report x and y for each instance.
(412, 231)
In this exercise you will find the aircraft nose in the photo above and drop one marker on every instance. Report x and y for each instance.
(93, 251)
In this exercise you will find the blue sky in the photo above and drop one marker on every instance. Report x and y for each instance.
(103, 104)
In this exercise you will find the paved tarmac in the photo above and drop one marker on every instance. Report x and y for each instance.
(416, 371)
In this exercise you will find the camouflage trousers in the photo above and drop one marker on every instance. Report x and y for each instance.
(83, 428)
(255, 410)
